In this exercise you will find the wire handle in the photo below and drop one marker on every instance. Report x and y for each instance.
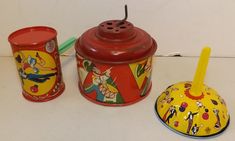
(125, 18)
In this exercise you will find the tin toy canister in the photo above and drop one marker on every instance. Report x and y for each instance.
(114, 62)
(35, 52)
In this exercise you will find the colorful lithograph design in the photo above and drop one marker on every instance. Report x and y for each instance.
(114, 84)
(204, 115)
(37, 71)
(142, 74)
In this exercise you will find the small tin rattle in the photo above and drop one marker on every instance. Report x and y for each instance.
(36, 54)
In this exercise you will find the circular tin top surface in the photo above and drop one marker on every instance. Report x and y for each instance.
(115, 42)
(32, 36)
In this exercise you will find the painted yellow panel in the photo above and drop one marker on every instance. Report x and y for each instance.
(37, 71)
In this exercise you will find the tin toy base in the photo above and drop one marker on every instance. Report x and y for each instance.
(114, 105)
(35, 99)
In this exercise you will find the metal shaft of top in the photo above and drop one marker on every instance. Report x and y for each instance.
(125, 18)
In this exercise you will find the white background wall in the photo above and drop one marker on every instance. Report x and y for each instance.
(183, 26)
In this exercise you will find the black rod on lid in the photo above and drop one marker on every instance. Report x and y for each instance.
(125, 18)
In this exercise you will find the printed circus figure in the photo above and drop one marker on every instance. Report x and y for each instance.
(217, 124)
(39, 78)
(172, 111)
(167, 99)
(190, 117)
(195, 129)
(37, 63)
(102, 84)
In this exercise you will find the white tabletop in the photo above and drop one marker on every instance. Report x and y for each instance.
(71, 117)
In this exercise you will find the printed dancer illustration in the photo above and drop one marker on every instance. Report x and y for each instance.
(172, 111)
(217, 124)
(190, 117)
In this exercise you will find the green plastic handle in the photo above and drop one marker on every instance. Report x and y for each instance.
(66, 45)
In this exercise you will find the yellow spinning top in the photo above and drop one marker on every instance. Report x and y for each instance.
(193, 108)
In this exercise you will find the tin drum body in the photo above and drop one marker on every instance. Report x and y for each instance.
(35, 52)
(114, 63)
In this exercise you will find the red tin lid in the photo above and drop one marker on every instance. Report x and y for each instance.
(31, 36)
(114, 42)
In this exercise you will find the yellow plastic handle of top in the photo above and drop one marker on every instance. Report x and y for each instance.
(199, 76)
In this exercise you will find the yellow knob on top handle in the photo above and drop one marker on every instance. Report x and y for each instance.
(193, 108)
